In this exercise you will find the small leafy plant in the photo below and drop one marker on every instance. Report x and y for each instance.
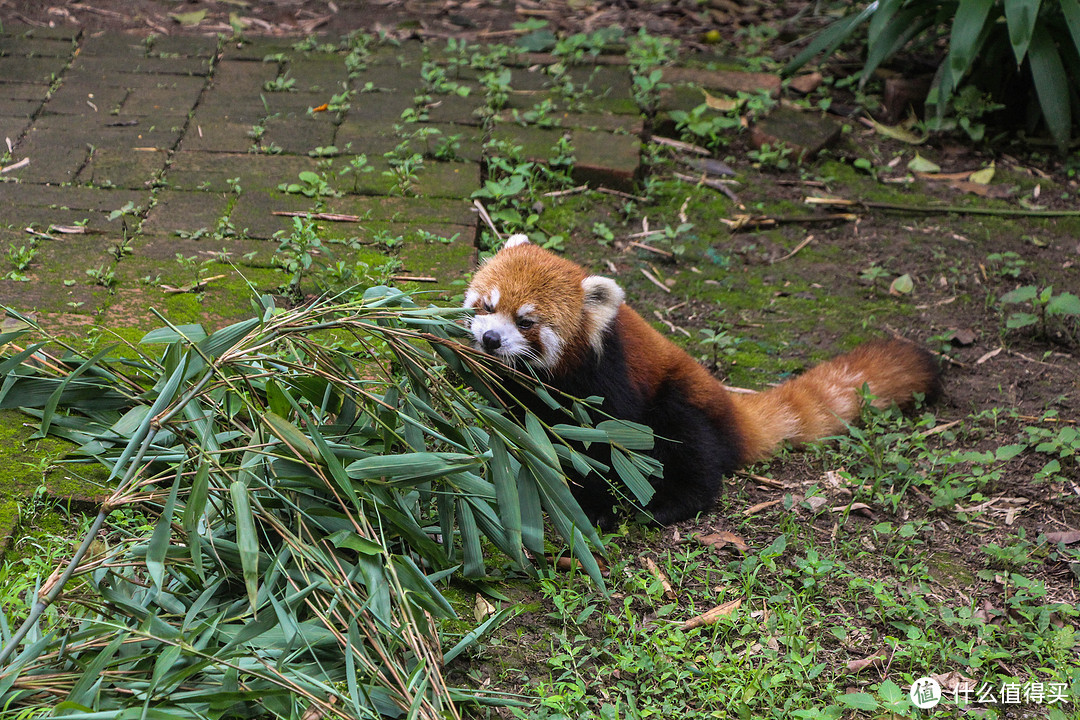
(1043, 306)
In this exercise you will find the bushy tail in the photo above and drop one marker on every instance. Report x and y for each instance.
(819, 402)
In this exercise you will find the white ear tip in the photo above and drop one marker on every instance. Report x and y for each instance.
(518, 239)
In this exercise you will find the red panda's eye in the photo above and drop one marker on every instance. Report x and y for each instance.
(525, 324)
(488, 308)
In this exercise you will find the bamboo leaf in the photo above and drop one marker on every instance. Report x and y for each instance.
(830, 38)
(158, 546)
(247, 541)
(632, 477)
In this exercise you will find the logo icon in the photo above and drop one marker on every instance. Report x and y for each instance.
(925, 693)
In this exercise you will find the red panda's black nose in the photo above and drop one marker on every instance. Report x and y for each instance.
(491, 340)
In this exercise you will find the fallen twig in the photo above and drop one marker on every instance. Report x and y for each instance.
(329, 217)
(654, 281)
(944, 209)
(413, 278)
(620, 193)
(22, 163)
(650, 248)
(742, 222)
(679, 145)
(715, 184)
(798, 247)
(486, 218)
(569, 191)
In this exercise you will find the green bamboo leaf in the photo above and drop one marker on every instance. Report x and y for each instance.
(411, 468)
(158, 546)
(247, 541)
(291, 435)
(226, 338)
(1051, 85)
(163, 400)
(519, 437)
(472, 553)
(473, 636)
(1021, 17)
(632, 477)
(506, 491)
(532, 512)
(179, 333)
(629, 435)
(54, 399)
(85, 687)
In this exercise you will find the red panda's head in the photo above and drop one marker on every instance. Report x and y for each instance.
(536, 308)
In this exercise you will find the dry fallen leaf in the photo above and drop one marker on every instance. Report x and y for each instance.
(856, 666)
(654, 569)
(482, 609)
(1065, 536)
(710, 617)
(759, 507)
(722, 539)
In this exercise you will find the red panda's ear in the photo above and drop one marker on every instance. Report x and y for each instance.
(603, 296)
(518, 239)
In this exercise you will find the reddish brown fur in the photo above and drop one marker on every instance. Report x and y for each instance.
(703, 431)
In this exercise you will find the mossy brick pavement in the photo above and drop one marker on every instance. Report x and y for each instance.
(125, 153)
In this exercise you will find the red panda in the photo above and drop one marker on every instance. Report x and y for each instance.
(537, 309)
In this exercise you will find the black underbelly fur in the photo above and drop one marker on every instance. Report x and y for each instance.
(695, 452)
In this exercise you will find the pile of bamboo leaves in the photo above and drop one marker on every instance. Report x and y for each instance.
(319, 476)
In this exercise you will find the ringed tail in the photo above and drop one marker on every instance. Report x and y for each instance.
(823, 400)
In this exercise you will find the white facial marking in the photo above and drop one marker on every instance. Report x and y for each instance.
(493, 298)
(471, 298)
(552, 347)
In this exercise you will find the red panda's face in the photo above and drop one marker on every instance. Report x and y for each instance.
(534, 307)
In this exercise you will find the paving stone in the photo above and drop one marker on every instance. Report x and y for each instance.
(58, 282)
(255, 49)
(55, 32)
(21, 69)
(606, 159)
(378, 110)
(15, 45)
(455, 109)
(12, 128)
(446, 211)
(211, 171)
(183, 45)
(18, 108)
(24, 91)
(219, 136)
(74, 198)
(299, 136)
(122, 168)
(80, 97)
(806, 133)
(182, 211)
(233, 77)
(253, 214)
(135, 63)
(728, 81)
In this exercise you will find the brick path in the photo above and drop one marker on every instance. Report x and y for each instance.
(191, 139)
